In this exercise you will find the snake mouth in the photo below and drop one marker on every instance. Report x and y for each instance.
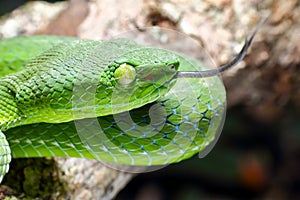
(156, 74)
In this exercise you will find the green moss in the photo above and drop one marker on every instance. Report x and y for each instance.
(33, 178)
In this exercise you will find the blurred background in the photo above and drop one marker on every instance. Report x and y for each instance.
(257, 155)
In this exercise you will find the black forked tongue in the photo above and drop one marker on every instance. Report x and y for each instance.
(237, 59)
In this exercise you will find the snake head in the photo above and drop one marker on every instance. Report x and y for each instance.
(137, 77)
(146, 66)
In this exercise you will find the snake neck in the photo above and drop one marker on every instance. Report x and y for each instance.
(9, 111)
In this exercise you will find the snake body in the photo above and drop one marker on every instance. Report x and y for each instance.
(114, 101)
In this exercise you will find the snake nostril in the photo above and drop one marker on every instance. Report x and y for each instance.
(14, 94)
(9, 88)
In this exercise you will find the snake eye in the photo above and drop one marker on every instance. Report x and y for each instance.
(125, 74)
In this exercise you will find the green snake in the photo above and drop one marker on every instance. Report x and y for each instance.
(114, 101)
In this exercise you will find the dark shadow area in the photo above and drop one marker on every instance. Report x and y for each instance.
(7, 6)
(251, 160)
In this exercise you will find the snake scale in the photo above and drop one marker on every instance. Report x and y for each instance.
(114, 101)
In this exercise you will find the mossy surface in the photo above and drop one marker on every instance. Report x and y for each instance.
(33, 178)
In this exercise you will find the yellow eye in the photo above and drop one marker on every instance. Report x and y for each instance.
(125, 74)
